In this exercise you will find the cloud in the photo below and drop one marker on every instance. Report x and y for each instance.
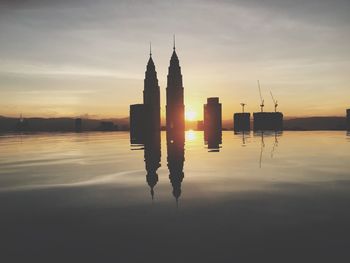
(302, 44)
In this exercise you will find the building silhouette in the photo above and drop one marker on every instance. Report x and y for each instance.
(175, 124)
(175, 119)
(348, 119)
(213, 124)
(268, 121)
(241, 121)
(151, 95)
(212, 114)
(145, 118)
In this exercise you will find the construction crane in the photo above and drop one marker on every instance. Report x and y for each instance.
(261, 98)
(274, 101)
(243, 104)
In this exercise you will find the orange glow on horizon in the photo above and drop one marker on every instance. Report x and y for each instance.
(190, 115)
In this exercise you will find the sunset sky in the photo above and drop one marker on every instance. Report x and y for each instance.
(73, 58)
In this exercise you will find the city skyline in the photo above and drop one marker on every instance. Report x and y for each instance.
(89, 65)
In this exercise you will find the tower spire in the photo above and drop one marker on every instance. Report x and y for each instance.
(150, 49)
(174, 42)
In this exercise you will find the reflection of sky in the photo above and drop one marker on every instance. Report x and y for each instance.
(89, 192)
(78, 160)
(78, 57)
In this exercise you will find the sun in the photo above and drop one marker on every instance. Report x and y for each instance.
(190, 115)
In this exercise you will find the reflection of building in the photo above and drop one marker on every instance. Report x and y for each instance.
(348, 119)
(212, 124)
(268, 121)
(213, 140)
(241, 121)
(152, 159)
(176, 158)
(175, 119)
(243, 133)
(264, 134)
(151, 95)
(138, 117)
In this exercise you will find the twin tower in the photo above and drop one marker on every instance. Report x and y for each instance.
(145, 124)
(145, 118)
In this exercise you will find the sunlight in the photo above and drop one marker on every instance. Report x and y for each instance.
(190, 115)
(190, 135)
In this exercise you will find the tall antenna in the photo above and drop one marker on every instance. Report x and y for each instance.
(274, 101)
(261, 98)
(174, 42)
(150, 49)
(243, 104)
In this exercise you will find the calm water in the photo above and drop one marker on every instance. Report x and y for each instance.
(86, 198)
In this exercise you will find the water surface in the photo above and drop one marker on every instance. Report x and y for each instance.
(259, 197)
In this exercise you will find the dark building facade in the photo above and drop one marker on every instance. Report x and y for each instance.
(175, 108)
(145, 118)
(212, 114)
(241, 121)
(151, 95)
(268, 121)
(175, 125)
(213, 123)
(348, 119)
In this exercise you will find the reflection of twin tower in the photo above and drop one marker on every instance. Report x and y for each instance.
(145, 124)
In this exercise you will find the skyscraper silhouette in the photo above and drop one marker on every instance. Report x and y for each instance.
(213, 124)
(175, 96)
(145, 118)
(175, 124)
(151, 95)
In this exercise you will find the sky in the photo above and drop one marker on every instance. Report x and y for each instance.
(88, 58)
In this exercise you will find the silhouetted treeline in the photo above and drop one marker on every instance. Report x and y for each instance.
(8, 124)
(315, 123)
(60, 124)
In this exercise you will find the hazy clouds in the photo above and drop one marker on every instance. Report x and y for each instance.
(299, 49)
